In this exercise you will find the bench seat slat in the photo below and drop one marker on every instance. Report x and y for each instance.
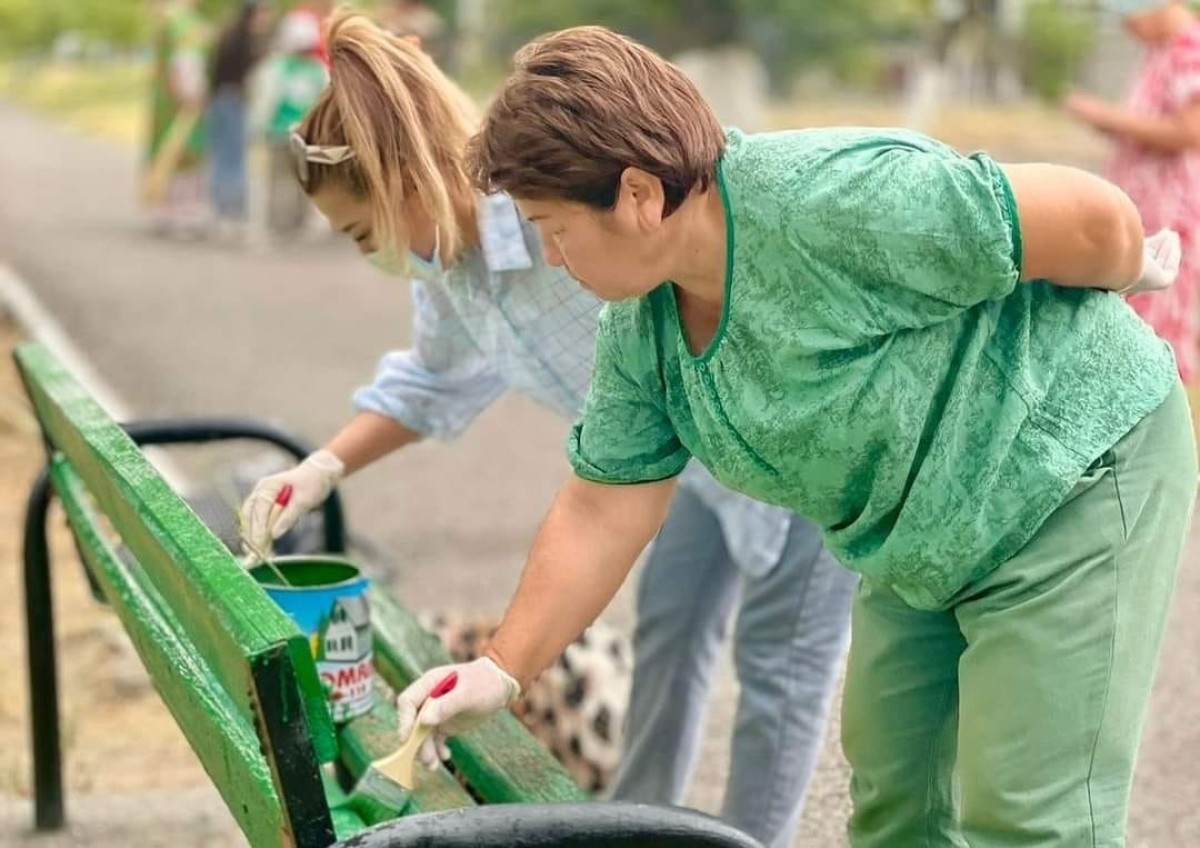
(501, 760)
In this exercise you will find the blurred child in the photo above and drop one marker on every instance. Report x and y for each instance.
(294, 80)
(318, 11)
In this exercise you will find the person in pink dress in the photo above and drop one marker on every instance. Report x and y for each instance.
(1157, 159)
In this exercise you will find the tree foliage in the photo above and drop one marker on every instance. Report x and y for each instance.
(1054, 45)
(33, 25)
(789, 34)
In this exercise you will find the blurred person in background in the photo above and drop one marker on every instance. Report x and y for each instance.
(173, 180)
(318, 10)
(1157, 160)
(238, 49)
(292, 82)
(381, 156)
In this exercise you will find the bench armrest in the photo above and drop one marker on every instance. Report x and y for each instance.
(576, 825)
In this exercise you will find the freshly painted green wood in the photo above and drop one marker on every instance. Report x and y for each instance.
(501, 761)
(200, 623)
(346, 820)
(373, 736)
(403, 649)
(224, 741)
(225, 613)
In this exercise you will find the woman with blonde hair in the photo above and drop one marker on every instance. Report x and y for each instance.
(926, 353)
(382, 156)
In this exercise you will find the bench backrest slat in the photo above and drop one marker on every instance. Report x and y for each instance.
(235, 671)
(220, 735)
(225, 615)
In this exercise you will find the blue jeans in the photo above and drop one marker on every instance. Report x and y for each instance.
(227, 141)
(789, 641)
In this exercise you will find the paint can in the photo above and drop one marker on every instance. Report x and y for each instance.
(327, 598)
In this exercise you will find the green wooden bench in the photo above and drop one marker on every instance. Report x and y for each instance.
(239, 678)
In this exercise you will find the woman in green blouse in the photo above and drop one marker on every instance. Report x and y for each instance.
(926, 354)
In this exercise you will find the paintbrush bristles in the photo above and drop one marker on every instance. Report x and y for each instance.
(383, 790)
(401, 766)
(389, 780)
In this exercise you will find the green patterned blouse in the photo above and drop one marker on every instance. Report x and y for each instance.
(877, 368)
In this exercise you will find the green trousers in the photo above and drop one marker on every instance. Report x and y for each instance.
(1012, 718)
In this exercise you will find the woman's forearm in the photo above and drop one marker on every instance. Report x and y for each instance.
(584, 550)
(367, 438)
(1166, 134)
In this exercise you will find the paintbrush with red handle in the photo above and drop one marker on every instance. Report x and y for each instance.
(390, 780)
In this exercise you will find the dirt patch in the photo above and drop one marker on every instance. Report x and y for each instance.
(117, 734)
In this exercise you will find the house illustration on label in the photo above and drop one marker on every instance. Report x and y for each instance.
(345, 636)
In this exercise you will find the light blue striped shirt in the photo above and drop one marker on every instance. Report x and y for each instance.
(502, 319)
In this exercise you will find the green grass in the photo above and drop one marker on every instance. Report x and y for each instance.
(107, 99)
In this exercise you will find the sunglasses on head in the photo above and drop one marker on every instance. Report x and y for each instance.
(303, 153)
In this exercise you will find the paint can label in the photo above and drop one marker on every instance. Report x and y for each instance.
(342, 648)
(327, 598)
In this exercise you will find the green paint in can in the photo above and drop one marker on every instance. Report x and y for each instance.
(327, 598)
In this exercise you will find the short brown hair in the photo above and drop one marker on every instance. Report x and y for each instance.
(584, 104)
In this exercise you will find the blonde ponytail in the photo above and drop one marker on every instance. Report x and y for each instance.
(408, 126)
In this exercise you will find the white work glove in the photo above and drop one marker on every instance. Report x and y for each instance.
(311, 481)
(483, 688)
(1161, 254)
